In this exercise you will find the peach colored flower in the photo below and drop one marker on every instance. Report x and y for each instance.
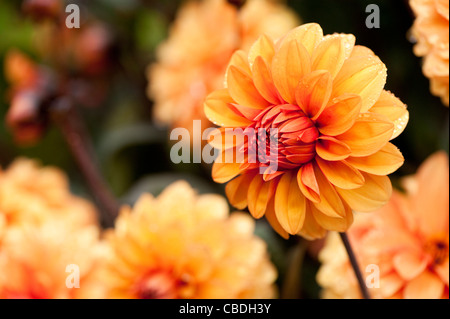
(43, 229)
(181, 245)
(31, 194)
(34, 259)
(431, 30)
(325, 96)
(407, 239)
(192, 62)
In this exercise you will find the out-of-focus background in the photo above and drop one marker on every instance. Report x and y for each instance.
(133, 150)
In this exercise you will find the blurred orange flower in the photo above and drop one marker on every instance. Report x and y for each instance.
(31, 194)
(408, 240)
(192, 62)
(325, 96)
(43, 229)
(431, 31)
(34, 259)
(181, 245)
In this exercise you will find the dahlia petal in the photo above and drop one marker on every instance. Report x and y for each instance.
(332, 52)
(224, 172)
(212, 206)
(299, 158)
(442, 8)
(242, 89)
(284, 117)
(330, 201)
(313, 92)
(273, 220)
(263, 81)
(341, 174)
(432, 195)
(309, 35)
(442, 271)
(331, 149)
(338, 224)
(368, 135)
(360, 50)
(394, 110)
(390, 285)
(263, 48)
(290, 204)
(409, 264)
(218, 112)
(244, 111)
(259, 194)
(290, 63)
(362, 75)
(379, 242)
(237, 190)
(268, 175)
(375, 193)
(425, 286)
(308, 183)
(295, 124)
(224, 138)
(310, 135)
(299, 148)
(216, 139)
(240, 60)
(340, 116)
(312, 230)
(384, 162)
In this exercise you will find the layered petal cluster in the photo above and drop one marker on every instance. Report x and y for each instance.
(33, 194)
(431, 31)
(192, 62)
(43, 230)
(324, 95)
(182, 245)
(408, 240)
(36, 260)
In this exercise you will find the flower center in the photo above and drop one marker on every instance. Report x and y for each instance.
(158, 285)
(290, 136)
(438, 249)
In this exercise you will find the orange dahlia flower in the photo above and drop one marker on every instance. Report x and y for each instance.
(43, 229)
(408, 240)
(431, 32)
(181, 245)
(31, 194)
(35, 260)
(325, 97)
(192, 62)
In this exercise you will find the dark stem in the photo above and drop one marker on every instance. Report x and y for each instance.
(67, 119)
(237, 3)
(355, 265)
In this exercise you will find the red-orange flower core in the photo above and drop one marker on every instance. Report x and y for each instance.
(326, 123)
(437, 248)
(158, 285)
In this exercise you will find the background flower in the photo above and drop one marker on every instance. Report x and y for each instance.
(43, 229)
(408, 240)
(185, 248)
(192, 62)
(325, 96)
(30, 194)
(430, 30)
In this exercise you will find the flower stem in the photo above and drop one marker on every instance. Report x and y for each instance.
(67, 119)
(355, 265)
(237, 3)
